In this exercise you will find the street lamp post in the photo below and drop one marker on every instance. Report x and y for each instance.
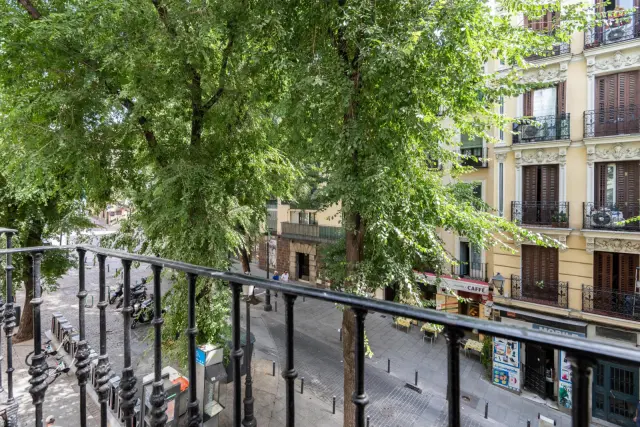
(267, 298)
(498, 282)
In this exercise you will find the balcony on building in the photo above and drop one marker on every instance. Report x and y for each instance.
(542, 129)
(473, 151)
(613, 292)
(617, 24)
(546, 292)
(616, 195)
(539, 206)
(545, 25)
(609, 120)
(312, 232)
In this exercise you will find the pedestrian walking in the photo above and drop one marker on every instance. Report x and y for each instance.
(276, 275)
(50, 421)
(285, 276)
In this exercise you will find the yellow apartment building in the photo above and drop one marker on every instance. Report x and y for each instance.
(573, 175)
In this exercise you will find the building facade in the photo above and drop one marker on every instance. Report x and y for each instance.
(574, 175)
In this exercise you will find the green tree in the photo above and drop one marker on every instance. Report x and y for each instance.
(378, 91)
(165, 103)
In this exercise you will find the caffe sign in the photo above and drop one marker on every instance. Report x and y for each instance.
(474, 288)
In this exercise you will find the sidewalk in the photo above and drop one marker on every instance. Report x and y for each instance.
(408, 353)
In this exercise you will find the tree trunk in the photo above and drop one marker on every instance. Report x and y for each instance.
(355, 254)
(244, 259)
(25, 331)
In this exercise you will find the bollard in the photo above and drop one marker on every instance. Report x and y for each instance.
(340, 330)
(274, 368)
(334, 405)
(416, 377)
(368, 419)
(302, 385)
(388, 366)
(276, 306)
(108, 269)
(486, 410)
(528, 423)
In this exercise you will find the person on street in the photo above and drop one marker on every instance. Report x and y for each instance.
(276, 275)
(50, 421)
(636, 419)
(285, 276)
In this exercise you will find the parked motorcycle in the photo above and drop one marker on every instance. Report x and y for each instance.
(114, 295)
(138, 294)
(142, 312)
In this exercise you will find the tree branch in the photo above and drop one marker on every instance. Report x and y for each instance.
(221, 75)
(29, 7)
(164, 17)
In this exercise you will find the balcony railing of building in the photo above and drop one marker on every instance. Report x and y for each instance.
(470, 271)
(475, 157)
(610, 302)
(609, 216)
(547, 292)
(611, 121)
(542, 214)
(581, 352)
(618, 26)
(312, 231)
(558, 49)
(543, 128)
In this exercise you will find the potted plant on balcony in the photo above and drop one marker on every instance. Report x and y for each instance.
(559, 220)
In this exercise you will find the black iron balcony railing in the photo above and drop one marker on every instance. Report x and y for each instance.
(471, 271)
(311, 231)
(609, 216)
(474, 156)
(618, 26)
(611, 121)
(610, 302)
(558, 49)
(543, 128)
(547, 292)
(544, 214)
(581, 352)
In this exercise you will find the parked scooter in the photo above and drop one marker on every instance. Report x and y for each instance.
(114, 295)
(142, 312)
(138, 294)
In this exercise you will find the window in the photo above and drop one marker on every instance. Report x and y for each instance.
(477, 190)
(501, 189)
(470, 141)
(501, 113)
(544, 102)
(610, 196)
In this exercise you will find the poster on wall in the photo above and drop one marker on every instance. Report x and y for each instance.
(506, 352)
(506, 376)
(273, 254)
(564, 386)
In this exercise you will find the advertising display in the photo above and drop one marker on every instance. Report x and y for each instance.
(564, 387)
(506, 363)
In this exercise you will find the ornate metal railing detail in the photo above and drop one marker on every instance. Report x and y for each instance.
(619, 26)
(609, 216)
(311, 231)
(562, 48)
(610, 302)
(471, 270)
(547, 292)
(474, 156)
(580, 350)
(542, 128)
(544, 214)
(611, 121)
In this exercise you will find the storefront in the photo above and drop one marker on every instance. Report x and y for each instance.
(541, 370)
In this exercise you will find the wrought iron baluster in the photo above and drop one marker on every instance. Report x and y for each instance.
(128, 388)
(9, 325)
(236, 354)
(453, 336)
(359, 398)
(289, 374)
(157, 399)
(103, 370)
(249, 419)
(580, 374)
(38, 367)
(83, 368)
(1, 355)
(192, 330)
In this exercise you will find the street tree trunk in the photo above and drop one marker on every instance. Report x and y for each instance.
(355, 254)
(25, 332)
(244, 259)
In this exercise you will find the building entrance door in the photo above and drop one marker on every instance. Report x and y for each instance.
(534, 373)
(615, 393)
(302, 265)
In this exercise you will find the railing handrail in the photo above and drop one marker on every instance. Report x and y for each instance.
(534, 203)
(497, 329)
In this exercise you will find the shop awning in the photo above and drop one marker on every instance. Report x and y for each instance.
(527, 315)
